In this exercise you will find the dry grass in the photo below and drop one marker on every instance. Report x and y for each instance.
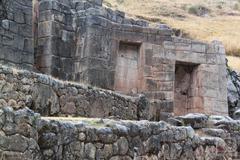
(234, 63)
(222, 22)
(224, 28)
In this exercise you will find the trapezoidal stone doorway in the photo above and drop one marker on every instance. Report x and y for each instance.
(127, 68)
(186, 97)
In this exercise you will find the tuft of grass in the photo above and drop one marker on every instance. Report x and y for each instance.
(198, 10)
(237, 7)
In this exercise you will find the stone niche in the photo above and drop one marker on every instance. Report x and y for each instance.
(185, 88)
(127, 68)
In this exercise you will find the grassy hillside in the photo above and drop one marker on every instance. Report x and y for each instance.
(204, 20)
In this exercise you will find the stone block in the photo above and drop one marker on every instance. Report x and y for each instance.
(158, 60)
(67, 64)
(163, 106)
(48, 45)
(45, 5)
(28, 45)
(44, 61)
(148, 57)
(49, 28)
(196, 120)
(47, 15)
(163, 68)
(212, 58)
(13, 56)
(96, 2)
(208, 68)
(165, 86)
(6, 24)
(191, 57)
(182, 40)
(19, 17)
(183, 47)
(19, 43)
(164, 76)
(158, 51)
(101, 78)
(206, 78)
(221, 59)
(27, 58)
(25, 30)
(15, 28)
(170, 54)
(196, 104)
(168, 45)
(7, 41)
(147, 71)
(209, 104)
(151, 85)
(199, 47)
(161, 95)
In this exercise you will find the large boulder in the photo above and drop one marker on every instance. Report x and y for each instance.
(195, 120)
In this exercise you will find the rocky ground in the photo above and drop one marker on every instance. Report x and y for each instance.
(233, 93)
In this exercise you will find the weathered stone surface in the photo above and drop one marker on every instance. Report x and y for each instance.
(233, 87)
(121, 146)
(19, 135)
(59, 138)
(45, 99)
(90, 151)
(194, 120)
(16, 45)
(52, 97)
(86, 42)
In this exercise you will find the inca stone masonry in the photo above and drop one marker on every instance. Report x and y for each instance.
(79, 81)
(82, 41)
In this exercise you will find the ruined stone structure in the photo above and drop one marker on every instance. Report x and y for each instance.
(82, 41)
(25, 135)
(52, 97)
(65, 59)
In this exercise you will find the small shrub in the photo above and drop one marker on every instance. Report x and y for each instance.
(120, 1)
(236, 7)
(184, 7)
(219, 6)
(198, 10)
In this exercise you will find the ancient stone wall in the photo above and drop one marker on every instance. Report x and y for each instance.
(85, 42)
(25, 135)
(52, 97)
(18, 135)
(79, 40)
(16, 38)
(203, 90)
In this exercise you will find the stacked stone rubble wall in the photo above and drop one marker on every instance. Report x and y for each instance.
(51, 97)
(25, 135)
